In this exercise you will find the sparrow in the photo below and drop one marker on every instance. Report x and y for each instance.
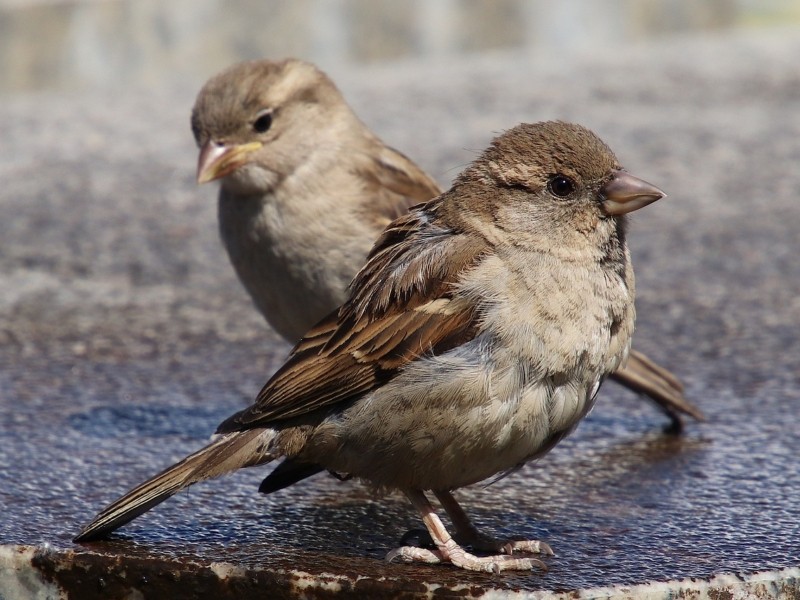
(306, 189)
(472, 341)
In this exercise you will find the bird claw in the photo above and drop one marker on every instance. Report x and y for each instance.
(420, 538)
(485, 543)
(458, 557)
(526, 547)
(411, 554)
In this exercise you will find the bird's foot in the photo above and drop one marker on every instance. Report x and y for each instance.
(456, 555)
(484, 543)
(473, 539)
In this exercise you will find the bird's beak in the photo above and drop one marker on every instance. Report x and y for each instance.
(218, 160)
(626, 193)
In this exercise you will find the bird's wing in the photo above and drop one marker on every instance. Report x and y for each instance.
(394, 182)
(402, 307)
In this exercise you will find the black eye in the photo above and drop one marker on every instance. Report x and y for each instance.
(263, 122)
(561, 186)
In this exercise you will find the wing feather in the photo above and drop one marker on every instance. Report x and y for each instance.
(394, 183)
(402, 307)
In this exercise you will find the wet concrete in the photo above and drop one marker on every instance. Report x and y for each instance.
(125, 339)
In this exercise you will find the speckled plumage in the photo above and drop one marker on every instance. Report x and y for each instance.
(301, 212)
(473, 340)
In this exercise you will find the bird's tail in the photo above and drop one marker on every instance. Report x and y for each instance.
(226, 454)
(646, 377)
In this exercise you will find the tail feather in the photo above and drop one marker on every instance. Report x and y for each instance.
(644, 376)
(226, 454)
(288, 473)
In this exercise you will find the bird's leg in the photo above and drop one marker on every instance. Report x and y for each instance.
(468, 535)
(447, 550)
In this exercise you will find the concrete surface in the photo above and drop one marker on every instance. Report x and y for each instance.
(125, 339)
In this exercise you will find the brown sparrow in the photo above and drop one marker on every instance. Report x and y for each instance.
(474, 339)
(306, 189)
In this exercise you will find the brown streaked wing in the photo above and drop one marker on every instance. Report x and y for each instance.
(401, 308)
(394, 184)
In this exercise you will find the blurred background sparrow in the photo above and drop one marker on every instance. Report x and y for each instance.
(474, 339)
(306, 189)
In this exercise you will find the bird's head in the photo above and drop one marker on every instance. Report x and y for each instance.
(257, 122)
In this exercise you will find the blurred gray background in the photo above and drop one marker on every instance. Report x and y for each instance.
(75, 44)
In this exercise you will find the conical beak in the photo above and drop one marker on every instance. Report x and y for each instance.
(626, 193)
(218, 160)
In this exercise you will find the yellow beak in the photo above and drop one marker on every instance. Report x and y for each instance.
(218, 160)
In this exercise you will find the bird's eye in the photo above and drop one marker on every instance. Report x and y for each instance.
(263, 122)
(561, 186)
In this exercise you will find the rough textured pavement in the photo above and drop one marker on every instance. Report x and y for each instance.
(125, 339)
